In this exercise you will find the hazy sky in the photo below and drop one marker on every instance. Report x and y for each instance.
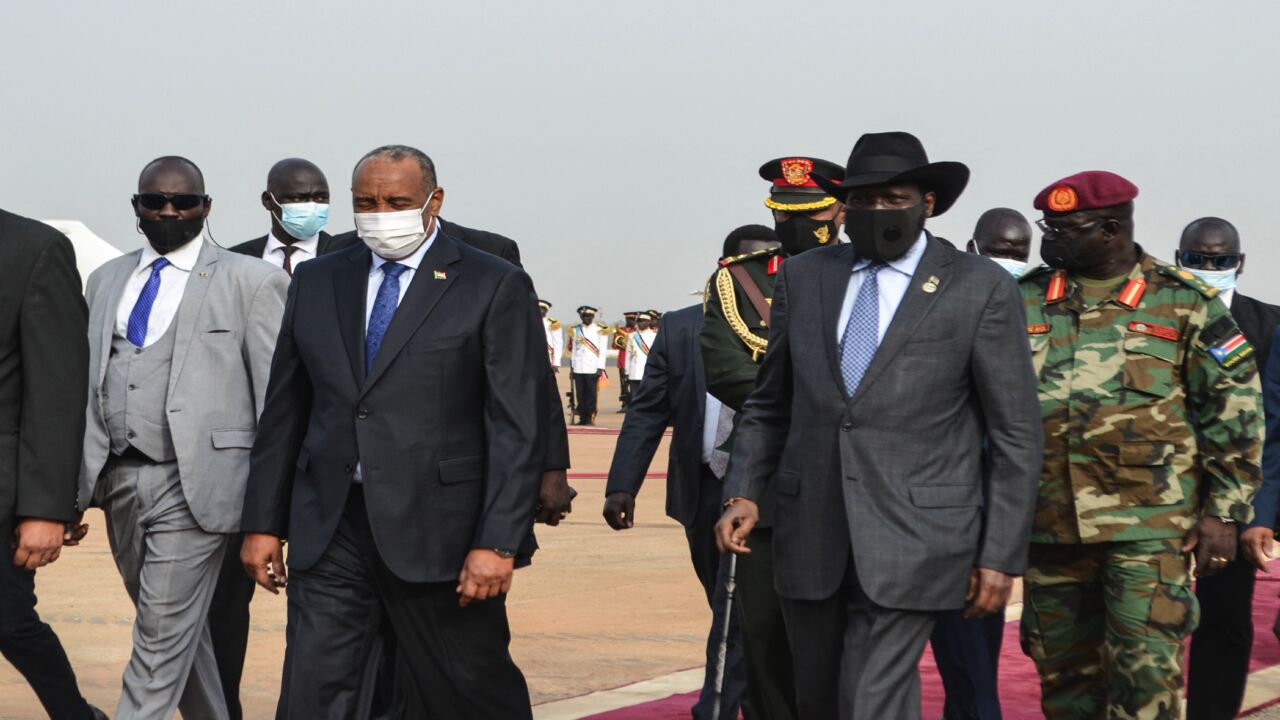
(618, 143)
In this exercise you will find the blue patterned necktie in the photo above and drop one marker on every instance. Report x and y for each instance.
(141, 313)
(384, 308)
(862, 332)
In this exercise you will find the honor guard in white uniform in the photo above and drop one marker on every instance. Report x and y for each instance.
(588, 353)
(638, 349)
(555, 336)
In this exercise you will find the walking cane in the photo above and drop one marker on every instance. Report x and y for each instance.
(730, 584)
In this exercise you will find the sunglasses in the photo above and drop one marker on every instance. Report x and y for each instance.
(1200, 261)
(1048, 229)
(180, 201)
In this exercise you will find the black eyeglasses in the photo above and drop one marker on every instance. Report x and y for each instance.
(1200, 261)
(1048, 229)
(180, 201)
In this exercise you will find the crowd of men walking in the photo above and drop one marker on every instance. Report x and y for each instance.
(871, 441)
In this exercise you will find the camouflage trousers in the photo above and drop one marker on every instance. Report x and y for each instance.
(1105, 624)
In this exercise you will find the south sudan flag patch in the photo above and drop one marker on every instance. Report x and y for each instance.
(1231, 351)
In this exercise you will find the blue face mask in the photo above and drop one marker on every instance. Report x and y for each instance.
(1014, 267)
(1223, 280)
(303, 220)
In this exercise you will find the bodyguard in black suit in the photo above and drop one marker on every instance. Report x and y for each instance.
(1221, 645)
(44, 375)
(401, 454)
(297, 195)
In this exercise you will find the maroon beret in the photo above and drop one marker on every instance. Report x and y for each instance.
(1086, 191)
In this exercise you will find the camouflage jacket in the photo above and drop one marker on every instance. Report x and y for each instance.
(1150, 402)
(734, 336)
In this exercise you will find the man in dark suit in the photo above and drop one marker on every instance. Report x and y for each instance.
(490, 242)
(889, 361)
(674, 394)
(297, 198)
(1220, 647)
(403, 445)
(44, 374)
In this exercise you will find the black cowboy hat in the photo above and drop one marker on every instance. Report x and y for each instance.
(896, 157)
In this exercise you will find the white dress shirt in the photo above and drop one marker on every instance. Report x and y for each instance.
(304, 250)
(411, 263)
(892, 282)
(1227, 296)
(710, 421)
(173, 283)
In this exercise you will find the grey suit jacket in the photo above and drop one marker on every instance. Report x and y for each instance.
(894, 474)
(226, 330)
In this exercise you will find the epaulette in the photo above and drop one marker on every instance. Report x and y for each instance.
(555, 324)
(734, 260)
(602, 326)
(1187, 278)
(1035, 272)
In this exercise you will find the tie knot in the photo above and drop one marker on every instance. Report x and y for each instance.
(874, 268)
(160, 264)
(288, 250)
(393, 270)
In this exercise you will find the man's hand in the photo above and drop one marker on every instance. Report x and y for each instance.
(1215, 544)
(555, 498)
(74, 531)
(988, 592)
(735, 525)
(620, 510)
(263, 558)
(485, 574)
(1257, 544)
(37, 542)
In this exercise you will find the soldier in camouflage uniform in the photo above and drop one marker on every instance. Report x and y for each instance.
(1150, 400)
(734, 338)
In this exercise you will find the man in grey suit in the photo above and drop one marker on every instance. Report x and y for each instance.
(181, 334)
(889, 360)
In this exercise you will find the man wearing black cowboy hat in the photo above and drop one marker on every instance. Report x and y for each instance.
(889, 361)
(734, 337)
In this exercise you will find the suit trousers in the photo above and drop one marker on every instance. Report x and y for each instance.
(854, 659)
(229, 623)
(725, 663)
(32, 647)
(1220, 648)
(967, 653)
(585, 389)
(452, 663)
(771, 689)
(170, 567)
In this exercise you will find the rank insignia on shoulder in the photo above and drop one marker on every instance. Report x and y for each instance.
(1231, 351)
(1057, 287)
(775, 262)
(1160, 331)
(1132, 294)
(1038, 328)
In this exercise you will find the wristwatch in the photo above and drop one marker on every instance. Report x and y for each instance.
(504, 553)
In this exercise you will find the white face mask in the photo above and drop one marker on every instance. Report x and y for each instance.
(393, 235)
(1014, 267)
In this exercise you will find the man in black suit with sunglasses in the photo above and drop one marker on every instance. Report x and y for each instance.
(1220, 647)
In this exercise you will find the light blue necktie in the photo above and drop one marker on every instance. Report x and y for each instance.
(862, 332)
(136, 332)
(384, 308)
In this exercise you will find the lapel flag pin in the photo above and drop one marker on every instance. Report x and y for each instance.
(931, 285)
(439, 275)
(204, 274)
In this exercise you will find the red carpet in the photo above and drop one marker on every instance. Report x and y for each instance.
(1019, 684)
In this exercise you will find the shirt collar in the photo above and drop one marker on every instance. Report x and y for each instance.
(308, 246)
(413, 261)
(907, 263)
(184, 258)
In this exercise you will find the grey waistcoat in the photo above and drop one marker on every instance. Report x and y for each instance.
(134, 394)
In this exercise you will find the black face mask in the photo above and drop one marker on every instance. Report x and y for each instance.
(170, 234)
(799, 233)
(1058, 254)
(883, 235)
